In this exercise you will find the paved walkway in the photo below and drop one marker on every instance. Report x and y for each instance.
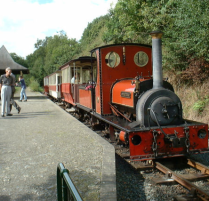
(32, 144)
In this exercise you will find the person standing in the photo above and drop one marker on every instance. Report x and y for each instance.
(18, 108)
(23, 87)
(72, 83)
(6, 81)
(73, 79)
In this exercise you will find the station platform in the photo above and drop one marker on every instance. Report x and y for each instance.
(32, 144)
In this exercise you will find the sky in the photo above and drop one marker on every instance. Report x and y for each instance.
(22, 22)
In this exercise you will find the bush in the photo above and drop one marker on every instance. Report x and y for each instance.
(197, 71)
(201, 104)
(35, 86)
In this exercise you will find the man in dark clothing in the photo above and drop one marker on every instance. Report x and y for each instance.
(18, 108)
(6, 91)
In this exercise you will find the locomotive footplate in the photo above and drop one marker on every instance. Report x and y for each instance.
(148, 143)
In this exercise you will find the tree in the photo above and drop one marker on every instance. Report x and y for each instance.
(91, 35)
(184, 23)
(50, 54)
(19, 60)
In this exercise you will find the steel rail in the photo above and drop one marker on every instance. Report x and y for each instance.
(200, 193)
(204, 169)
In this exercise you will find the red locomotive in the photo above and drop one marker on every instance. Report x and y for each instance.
(122, 87)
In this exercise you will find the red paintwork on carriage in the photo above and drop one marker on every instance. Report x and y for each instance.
(52, 87)
(82, 96)
(85, 98)
(66, 88)
(110, 75)
(46, 85)
(144, 149)
(66, 93)
(68, 98)
(46, 89)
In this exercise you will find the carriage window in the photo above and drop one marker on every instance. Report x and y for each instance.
(86, 75)
(76, 76)
(59, 79)
(141, 59)
(112, 59)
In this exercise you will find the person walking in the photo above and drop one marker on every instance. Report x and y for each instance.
(6, 81)
(23, 87)
(18, 108)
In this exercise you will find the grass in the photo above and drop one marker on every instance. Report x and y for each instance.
(195, 99)
(35, 86)
(17, 90)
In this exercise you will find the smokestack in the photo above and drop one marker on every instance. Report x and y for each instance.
(157, 59)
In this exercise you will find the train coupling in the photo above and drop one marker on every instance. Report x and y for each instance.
(176, 142)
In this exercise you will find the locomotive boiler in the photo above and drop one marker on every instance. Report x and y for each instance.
(158, 106)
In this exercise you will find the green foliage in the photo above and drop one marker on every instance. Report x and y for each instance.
(23, 62)
(91, 36)
(19, 60)
(200, 105)
(59, 50)
(34, 85)
(184, 23)
(51, 53)
(126, 23)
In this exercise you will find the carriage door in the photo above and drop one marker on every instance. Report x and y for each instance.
(94, 79)
(58, 85)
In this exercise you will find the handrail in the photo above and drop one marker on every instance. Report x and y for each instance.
(66, 190)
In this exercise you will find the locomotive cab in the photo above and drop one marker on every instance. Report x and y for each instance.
(117, 66)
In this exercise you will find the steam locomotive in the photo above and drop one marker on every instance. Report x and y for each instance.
(121, 86)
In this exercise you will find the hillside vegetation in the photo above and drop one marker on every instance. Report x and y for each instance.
(185, 25)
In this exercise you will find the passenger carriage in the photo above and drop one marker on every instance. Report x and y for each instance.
(74, 91)
(55, 80)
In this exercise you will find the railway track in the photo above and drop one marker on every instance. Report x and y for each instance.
(195, 193)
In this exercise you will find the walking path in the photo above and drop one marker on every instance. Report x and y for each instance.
(32, 144)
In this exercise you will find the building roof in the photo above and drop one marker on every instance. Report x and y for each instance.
(7, 61)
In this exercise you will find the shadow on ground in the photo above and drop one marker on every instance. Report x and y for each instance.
(86, 183)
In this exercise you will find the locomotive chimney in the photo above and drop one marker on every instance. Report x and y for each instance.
(157, 59)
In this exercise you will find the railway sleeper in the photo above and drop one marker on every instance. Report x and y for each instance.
(167, 178)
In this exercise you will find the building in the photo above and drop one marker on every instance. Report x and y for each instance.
(7, 61)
